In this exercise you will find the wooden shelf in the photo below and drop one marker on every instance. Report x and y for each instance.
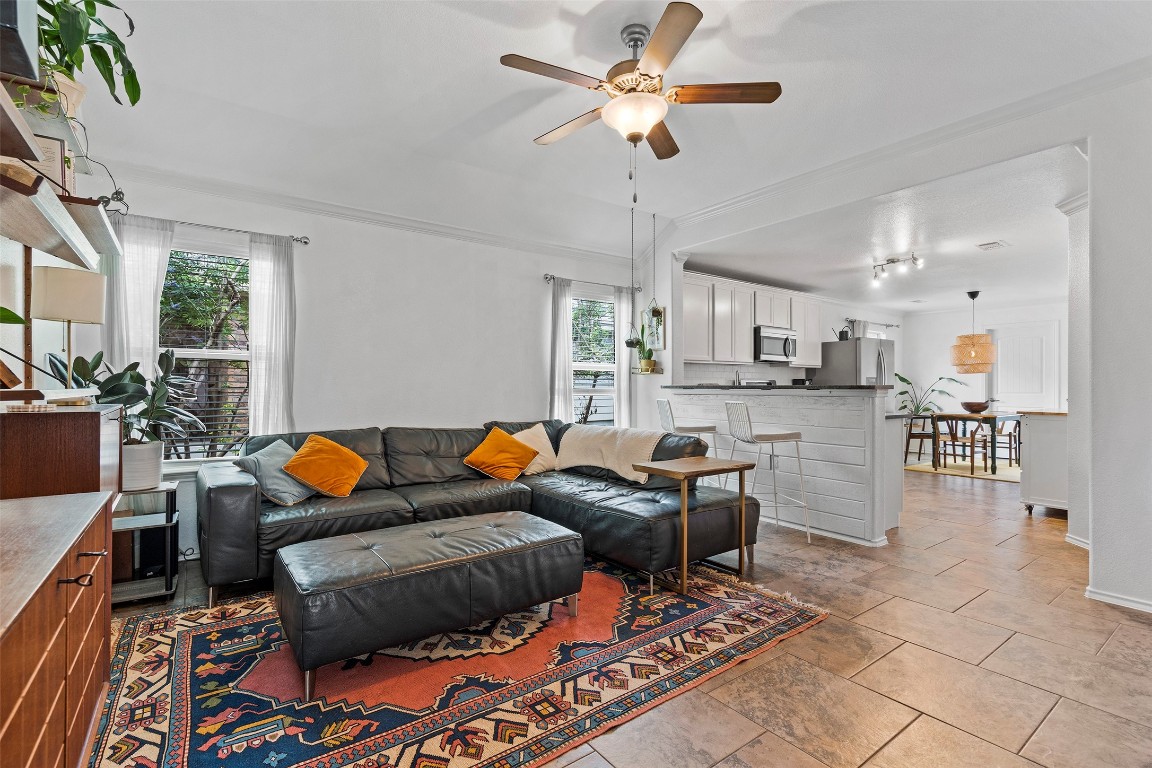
(75, 229)
(16, 138)
(60, 127)
(639, 372)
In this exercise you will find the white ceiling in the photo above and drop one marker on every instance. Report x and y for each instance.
(831, 252)
(403, 107)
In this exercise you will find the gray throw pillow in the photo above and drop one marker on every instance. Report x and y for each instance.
(267, 466)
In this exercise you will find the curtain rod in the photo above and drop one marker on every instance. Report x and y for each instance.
(549, 277)
(301, 239)
(870, 322)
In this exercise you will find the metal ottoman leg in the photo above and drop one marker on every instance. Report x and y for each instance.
(573, 602)
(309, 684)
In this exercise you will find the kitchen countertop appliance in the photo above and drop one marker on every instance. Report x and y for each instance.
(856, 361)
(774, 345)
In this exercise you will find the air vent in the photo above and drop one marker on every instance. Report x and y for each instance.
(992, 245)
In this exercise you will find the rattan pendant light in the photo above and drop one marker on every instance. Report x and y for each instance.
(973, 352)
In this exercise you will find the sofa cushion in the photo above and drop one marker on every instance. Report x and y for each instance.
(322, 517)
(418, 455)
(670, 447)
(640, 527)
(367, 442)
(501, 456)
(554, 427)
(327, 466)
(276, 484)
(437, 501)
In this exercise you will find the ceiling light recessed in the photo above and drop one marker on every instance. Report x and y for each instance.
(993, 245)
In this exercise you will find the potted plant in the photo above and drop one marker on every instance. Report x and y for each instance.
(919, 403)
(645, 353)
(71, 33)
(150, 410)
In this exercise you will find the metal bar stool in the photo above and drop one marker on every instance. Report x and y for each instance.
(668, 424)
(740, 427)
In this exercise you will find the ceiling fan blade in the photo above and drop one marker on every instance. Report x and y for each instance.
(725, 93)
(661, 141)
(569, 127)
(672, 31)
(549, 70)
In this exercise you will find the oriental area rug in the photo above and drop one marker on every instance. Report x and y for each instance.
(219, 687)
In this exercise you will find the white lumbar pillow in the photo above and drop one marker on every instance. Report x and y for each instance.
(537, 437)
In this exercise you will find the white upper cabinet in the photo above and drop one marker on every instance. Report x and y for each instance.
(773, 308)
(742, 324)
(722, 335)
(808, 315)
(697, 319)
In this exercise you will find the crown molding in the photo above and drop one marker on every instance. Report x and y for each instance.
(1073, 205)
(232, 191)
(1042, 102)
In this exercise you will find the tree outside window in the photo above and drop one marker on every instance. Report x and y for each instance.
(593, 360)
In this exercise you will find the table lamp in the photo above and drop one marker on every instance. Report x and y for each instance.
(70, 295)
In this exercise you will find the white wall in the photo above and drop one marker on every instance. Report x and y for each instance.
(929, 336)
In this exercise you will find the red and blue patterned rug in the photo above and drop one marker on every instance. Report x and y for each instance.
(220, 688)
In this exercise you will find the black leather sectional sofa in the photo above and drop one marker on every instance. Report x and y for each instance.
(418, 474)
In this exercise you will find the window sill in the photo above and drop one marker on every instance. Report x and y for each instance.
(185, 469)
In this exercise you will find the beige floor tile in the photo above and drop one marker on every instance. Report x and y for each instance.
(948, 633)
(768, 749)
(836, 721)
(571, 756)
(961, 515)
(1007, 580)
(1050, 568)
(929, 742)
(927, 561)
(1130, 645)
(920, 538)
(982, 535)
(1079, 736)
(990, 706)
(594, 760)
(1097, 682)
(839, 646)
(823, 561)
(938, 591)
(984, 553)
(1075, 630)
(690, 731)
(1073, 599)
(842, 598)
(1045, 542)
(744, 667)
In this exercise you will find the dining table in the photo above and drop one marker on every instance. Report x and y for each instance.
(993, 419)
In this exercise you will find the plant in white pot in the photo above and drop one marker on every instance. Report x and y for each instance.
(150, 410)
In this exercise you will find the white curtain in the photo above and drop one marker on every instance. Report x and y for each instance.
(131, 331)
(271, 334)
(624, 300)
(560, 381)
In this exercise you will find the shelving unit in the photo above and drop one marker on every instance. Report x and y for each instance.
(167, 521)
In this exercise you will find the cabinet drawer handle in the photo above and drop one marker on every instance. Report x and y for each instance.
(84, 580)
(101, 553)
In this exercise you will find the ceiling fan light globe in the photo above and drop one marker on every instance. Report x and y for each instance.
(633, 114)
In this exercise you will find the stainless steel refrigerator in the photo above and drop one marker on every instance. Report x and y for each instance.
(856, 361)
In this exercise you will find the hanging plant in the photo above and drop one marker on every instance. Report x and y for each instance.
(71, 32)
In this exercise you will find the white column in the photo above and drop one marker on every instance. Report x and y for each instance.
(1079, 373)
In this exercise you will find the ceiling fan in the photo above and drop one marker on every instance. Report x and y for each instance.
(635, 87)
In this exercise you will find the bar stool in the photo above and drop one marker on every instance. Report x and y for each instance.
(668, 423)
(740, 427)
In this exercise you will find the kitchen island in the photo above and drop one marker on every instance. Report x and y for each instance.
(852, 451)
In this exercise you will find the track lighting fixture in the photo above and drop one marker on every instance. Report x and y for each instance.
(880, 270)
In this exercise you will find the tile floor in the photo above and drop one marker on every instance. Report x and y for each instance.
(967, 642)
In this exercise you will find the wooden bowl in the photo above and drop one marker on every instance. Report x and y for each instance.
(975, 407)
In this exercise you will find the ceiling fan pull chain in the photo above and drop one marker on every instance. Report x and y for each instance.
(635, 176)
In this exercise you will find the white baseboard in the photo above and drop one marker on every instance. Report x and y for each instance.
(1082, 543)
(1123, 600)
(883, 541)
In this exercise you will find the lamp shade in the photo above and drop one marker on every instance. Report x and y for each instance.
(973, 353)
(634, 114)
(67, 294)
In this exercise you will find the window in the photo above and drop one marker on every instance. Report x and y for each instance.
(594, 359)
(204, 320)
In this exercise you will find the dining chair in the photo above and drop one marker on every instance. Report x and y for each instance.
(1008, 436)
(920, 435)
(952, 439)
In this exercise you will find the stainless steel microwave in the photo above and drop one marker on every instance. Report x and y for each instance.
(774, 345)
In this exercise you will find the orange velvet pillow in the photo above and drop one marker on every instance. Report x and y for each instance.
(501, 456)
(327, 467)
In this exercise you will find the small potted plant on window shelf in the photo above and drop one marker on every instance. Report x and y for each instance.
(645, 353)
(150, 410)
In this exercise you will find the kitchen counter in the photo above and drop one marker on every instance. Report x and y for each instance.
(864, 387)
(1042, 413)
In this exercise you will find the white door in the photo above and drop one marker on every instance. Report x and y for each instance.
(697, 320)
(1026, 375)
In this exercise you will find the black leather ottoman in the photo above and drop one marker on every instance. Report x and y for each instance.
(350, 595)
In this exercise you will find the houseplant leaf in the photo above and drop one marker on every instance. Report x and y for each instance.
(8, 317)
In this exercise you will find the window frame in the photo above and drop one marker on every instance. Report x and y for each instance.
(592, 292)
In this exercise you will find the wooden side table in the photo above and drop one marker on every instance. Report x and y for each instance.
(692, 468)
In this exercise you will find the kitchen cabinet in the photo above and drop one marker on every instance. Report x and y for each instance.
(743, 325)
(697, 319)
(807, 317)
(1044, 459)
(722, 337)
(774, 308)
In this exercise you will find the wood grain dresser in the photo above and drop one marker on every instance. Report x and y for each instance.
(59, 481)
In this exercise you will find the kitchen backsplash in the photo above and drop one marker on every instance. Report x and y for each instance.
(719, 373)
